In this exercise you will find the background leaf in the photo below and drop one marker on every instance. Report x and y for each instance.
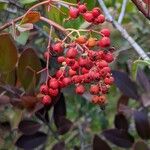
(119, 138)
(29, 127)
(142, 124)
(98, 144)
(28, 65)
(125, 84)
(31, 141)
(8, 53)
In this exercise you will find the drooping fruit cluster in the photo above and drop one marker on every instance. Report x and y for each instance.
(84, 62)
(95, 16)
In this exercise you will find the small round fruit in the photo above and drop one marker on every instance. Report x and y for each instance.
(44, 89)
(91, 42)
(46, 100)
(81, 39)
(73, 12)
(71, 53)
(61, 59)
(96, 12)
(88, 16)
(104, 42)
(105, 32)
(82, 8)
(80, 89)
(53, 83)
(66, 81)
(101, 19)
(53, 92)
(58, 47)
(94, 89)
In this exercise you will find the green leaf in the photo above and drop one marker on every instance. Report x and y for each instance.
(10, 77)
(27, 1)
(28, 65)
(136, 64)
(23, 37)
(54, 14)
(8, 53)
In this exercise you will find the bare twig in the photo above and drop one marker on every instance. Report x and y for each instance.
(141, 6)
(124, 33)
(123, 9)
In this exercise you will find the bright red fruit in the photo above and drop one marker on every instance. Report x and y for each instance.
(61, 59)
(71, 53)
(94, 89)
(72, 72)
(44, 89)
(101, 19)
(73, 12)
(80, 89)
(53, 83)
(66, 81)
(88, 16)
(46, 100)
(58, 47)
(104, 42)
(109, 57)
(96, 12)
(53, 92)
(82, 8)
(105, 32)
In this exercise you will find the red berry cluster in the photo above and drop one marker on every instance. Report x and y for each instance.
(84, 62)
(95, 16)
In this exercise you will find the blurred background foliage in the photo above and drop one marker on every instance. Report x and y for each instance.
(91, 118)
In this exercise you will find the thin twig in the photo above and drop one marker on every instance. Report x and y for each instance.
(50, 22)
(140, 5)
(123, 32)
(123, 9)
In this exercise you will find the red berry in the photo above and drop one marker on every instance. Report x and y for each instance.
(101, 19)
(66, 81)
(61, 84)
(53, 92)
(105, 32)
(109, 57)
(104, 42)
(83, 61)
(61, 59)
(76, 79)
(82, 8)
(96, 12)
(106, 69)
(59, 73)
(88, 16)
(84, 70)
(73, 12)
(102, 64)
(80, 89)
(70, 62)
(46, 100)
(94, 89)
(109, 81)
(95, 99)
(72, 72)
(53, 83)
(58, 48)
(102, 100)
(104, 89)
(71, 53)
(75, 66)
(44, 89)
